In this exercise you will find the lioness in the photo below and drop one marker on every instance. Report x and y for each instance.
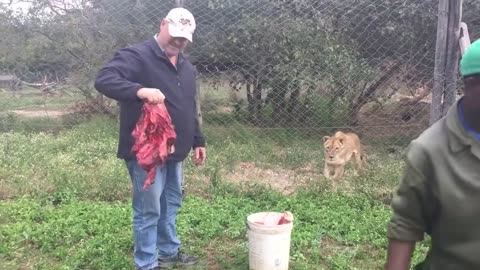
(339, 149)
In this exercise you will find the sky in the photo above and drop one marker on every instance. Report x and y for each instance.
(16, 4)
(24, 5)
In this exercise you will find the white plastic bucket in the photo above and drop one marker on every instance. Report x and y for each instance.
(268, 246)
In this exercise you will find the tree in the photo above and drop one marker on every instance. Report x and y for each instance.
(283, 53)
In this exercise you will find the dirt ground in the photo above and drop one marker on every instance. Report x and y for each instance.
(38, 113)
(393, 120)
(278, 178)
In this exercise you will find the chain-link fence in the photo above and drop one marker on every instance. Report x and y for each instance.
(298, 66)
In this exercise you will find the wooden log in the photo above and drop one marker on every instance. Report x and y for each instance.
(452, 55)
(440, 61)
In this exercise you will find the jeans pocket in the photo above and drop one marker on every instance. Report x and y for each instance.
(137, 175)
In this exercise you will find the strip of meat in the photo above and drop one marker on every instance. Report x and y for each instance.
(154, 137)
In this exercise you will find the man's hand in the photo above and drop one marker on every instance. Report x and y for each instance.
(199, 156)
(152, 95)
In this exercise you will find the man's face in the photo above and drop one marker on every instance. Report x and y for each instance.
(472, 95)
(172, 45)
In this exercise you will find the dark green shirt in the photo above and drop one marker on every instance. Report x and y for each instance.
(439, 194)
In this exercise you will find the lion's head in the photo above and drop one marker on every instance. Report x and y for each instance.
(333, 145)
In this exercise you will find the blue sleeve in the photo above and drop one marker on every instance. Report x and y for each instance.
(198, 138)
(118, 79)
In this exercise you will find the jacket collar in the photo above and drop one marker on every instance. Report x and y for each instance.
(458, 136)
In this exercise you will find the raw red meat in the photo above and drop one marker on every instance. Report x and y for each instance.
(287, 217)
(154, 137)
(271, 219)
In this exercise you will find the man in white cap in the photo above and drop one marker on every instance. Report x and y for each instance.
(156, 71)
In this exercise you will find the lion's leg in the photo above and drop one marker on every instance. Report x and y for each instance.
(363, 157)
(358, 163)
(328, 170)
(339, 170)
(331, 173)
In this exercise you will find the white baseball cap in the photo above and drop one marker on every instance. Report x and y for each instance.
(181, 23)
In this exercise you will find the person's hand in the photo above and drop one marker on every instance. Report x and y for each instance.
(199, 155)
(151, 95)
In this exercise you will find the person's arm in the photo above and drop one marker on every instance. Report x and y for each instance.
(412, 208)
(399, 254)
(199, 151)
(198, 138)
(117, 79)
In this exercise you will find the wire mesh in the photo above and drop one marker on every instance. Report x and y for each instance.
(287, 67)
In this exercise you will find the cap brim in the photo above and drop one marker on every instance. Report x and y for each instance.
(176, 32)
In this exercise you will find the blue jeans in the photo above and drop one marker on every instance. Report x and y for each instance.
(154, 212)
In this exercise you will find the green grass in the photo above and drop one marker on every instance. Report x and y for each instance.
(33, 99)
(94, 235)
(41, 107)
(66, 201)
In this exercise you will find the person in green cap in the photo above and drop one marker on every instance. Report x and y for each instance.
(439, 191)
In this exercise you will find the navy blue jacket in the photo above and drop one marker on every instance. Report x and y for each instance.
(145, 65)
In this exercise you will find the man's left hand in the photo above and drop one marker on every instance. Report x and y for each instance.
(199, 156)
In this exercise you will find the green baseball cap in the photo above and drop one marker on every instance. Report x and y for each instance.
(470, 63)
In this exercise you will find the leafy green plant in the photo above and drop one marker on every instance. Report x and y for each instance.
(68, 203)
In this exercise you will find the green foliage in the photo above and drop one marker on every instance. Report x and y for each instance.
(285, 50)
(57, 41)
(81, 235)
(280, 56)
(96, 235)
(65, 197)
(72, 163)
(68, 203)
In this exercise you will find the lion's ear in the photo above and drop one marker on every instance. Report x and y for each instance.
(341, 140)
(325, 138)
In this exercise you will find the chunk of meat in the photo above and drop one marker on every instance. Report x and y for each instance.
(271, 219)
(154, 136)
(287, 217)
